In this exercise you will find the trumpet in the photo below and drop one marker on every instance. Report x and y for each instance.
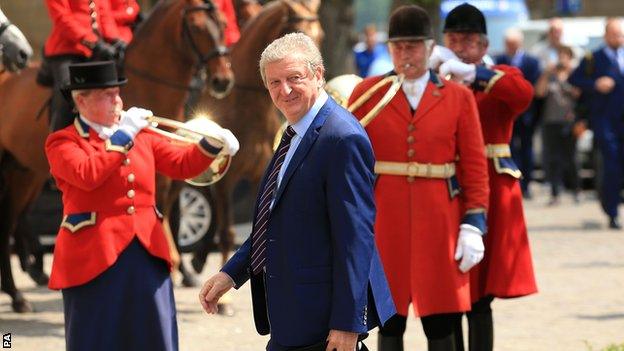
(191, 132)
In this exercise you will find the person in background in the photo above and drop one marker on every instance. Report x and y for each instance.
(428, 145)
(525, 125)
(111, 258)
(559, 118)
(502, 94)
(600, 76)
(547, 50)
(228, 17)
(370, 50)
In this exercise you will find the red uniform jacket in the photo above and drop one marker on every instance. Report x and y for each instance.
(502, 94)
(71, 23)
(125, 13)
(417, 223)
(232, 32)
(108, 197)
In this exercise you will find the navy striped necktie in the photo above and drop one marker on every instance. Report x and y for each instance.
(260, 226)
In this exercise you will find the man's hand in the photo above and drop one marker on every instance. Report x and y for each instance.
(102, 51)
(469, 247)
(133, 120)
(341, 340)
(459, 71)
(605, 84)
(213, 289)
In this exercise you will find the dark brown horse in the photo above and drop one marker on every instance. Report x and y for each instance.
(248, 110)
(177, 39)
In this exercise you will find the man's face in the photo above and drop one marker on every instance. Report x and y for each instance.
(469, 47)
(614, 37)
(292, 86)
(101, 106)
(555, 31)
(410, 57)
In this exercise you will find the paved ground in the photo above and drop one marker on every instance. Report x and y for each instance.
(580, 306)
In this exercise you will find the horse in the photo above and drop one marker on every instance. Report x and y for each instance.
(249, 112)
(178, 39)
(15, 49)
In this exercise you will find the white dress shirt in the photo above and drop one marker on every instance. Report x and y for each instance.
(415, 88)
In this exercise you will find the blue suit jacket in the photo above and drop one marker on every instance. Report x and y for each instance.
(529, 66)
(323, 270)
(605, 110)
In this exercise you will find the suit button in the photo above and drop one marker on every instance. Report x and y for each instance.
(410, 152)
(410, 127)
(130, 194)
(126, 162)
(410, 179)
(130, 210)
(410, 139)
(131, 177)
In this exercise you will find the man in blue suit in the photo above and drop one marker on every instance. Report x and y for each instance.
(525, 124)
(601, 76)
(316, 277)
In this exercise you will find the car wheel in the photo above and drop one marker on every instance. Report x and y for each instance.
(196, 218)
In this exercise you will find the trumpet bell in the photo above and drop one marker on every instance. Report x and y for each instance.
(341, 87)
(192, 131)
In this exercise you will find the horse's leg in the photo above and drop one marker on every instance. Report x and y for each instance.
(188, 279)
(31, 256)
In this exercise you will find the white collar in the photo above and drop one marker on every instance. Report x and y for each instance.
(103, 132)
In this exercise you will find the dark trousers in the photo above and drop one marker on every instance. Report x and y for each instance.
(439, 329)
(130, 306)
(61, 108)
(611, 149)
(559, 156)
(522, 148)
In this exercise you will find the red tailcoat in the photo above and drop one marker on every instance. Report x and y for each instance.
(108, 198)
(71, 23)
(417, 221)
(507, 269)
(125, 13)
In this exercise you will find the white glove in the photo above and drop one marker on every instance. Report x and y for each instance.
(462, 72)
(439, 55)
(134, 120)
(230, 143)
(469, 247)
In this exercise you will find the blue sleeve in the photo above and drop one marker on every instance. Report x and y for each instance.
(582, 77)
(351, 209)
(237, 267)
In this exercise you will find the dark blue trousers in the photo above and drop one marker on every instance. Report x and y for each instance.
(612, 150)
(128, 307)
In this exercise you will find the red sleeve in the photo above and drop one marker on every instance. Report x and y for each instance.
(232, 33)
(64, 19)
(120, 13)
(69, 162)
(178, 161)
(109, 27)
(472, 164)
(512, 88)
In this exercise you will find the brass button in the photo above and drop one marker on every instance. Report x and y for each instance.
(130, 210)
(410, 179)
(126, 161)
(410, 127)
(131, 177)
(410, 152)
(130, 194)
(410, 139)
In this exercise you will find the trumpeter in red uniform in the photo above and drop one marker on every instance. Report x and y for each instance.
(502, 93)
(429, 232)
(125, 13)
(111, 258)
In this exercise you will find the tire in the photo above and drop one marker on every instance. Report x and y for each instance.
(196, 217)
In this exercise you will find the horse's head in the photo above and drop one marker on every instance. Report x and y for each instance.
(203, 33)
(14, 47)
(302, 16)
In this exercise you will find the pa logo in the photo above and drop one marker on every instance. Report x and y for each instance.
(6, 341)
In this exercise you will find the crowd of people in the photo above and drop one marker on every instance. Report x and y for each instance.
(354, 223)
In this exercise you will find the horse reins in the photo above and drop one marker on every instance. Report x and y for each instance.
(202, 59)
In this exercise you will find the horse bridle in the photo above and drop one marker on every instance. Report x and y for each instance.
(202, 58)
(218, 51)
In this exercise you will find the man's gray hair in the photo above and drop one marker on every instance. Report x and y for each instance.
(77, 92)
(287, 45)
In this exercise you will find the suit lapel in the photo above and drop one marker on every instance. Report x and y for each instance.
(432, 96)
(304, 146)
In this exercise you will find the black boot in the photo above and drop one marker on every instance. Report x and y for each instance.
(445, 344)
(481, 331)
(389, 343)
